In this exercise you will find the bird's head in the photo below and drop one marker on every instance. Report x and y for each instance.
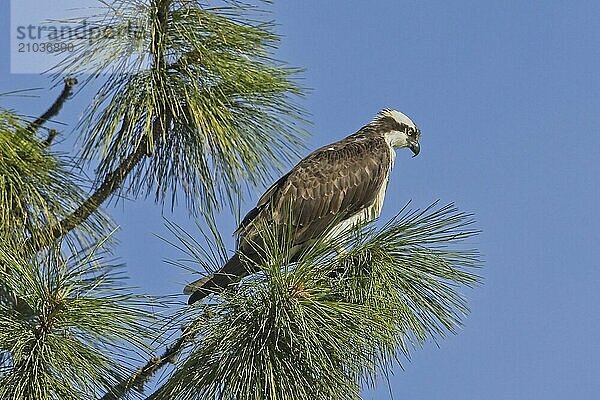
(397, 129)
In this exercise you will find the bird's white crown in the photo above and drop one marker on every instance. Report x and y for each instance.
(396, 115)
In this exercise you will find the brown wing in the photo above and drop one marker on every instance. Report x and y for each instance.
(333, 183)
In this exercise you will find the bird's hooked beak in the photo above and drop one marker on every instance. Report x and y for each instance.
(414, 146)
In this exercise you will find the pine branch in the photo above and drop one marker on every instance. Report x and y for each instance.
(114, 179)
(80, 318)
(236, 121)
(55, 107)
(331, 324)
(140, 377)
(39, 188)
(112, 182)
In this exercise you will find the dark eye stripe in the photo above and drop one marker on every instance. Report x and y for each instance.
(386, 124)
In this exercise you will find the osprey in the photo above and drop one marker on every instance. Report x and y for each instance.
(329, 191)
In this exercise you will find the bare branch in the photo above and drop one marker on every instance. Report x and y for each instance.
(55, 107)
(51, 135)
(142, 376)
(112, 182)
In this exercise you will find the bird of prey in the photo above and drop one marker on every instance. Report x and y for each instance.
(332, 189)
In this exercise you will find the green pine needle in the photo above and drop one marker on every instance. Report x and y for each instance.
(332, 323)
(227, 110)
(68, 327)
(37, 188)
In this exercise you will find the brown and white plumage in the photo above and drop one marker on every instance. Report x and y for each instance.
(332, 189)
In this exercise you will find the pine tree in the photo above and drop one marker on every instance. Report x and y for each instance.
(195, 106)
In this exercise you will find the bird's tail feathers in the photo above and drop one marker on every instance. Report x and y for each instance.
(231, 272)
(197, 284)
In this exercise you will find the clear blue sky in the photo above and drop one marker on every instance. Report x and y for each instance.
(507, 95)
